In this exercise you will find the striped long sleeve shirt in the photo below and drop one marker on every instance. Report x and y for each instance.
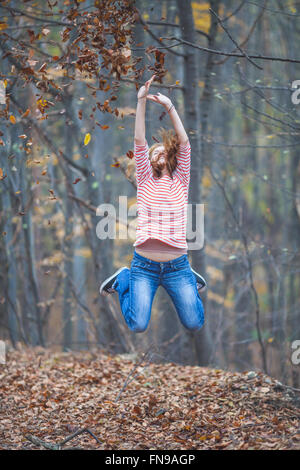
(162, 202)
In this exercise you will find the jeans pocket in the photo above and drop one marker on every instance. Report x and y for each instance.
(184, 264)
(137, 264)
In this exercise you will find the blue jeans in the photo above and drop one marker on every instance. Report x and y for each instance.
(136, 289)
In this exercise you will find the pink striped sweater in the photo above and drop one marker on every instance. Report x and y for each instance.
(162, 202)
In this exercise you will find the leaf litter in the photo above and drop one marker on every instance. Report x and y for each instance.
(84, 400)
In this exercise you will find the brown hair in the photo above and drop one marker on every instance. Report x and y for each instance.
(170, 142)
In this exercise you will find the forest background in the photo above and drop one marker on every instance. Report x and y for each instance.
(69, 76)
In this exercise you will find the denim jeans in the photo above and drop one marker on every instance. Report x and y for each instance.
(137, 287)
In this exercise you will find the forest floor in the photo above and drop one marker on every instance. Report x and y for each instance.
(117, 402)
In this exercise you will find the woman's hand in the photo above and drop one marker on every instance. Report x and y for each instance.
(143, 91)
(161, 99)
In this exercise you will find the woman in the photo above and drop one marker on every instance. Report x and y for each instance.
(160, 255)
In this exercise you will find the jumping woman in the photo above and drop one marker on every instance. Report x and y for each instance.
(160, 255)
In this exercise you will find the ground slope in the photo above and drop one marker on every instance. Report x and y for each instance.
(124, 404)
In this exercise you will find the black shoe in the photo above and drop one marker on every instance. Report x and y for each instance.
(201, 282)
(106, 286)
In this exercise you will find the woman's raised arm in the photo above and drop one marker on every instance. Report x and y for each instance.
(176, 121)
(139, 132)
(141, 149)
(177, 124)
(183, 155)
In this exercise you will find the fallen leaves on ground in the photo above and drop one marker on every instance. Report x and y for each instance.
(51, 395)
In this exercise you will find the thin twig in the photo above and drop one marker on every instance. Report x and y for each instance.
(250, 271)
(76, 433)
(52, 446)
(234, 41)
(242, 44)
(127, 381)
(156, 38)
(288, 386)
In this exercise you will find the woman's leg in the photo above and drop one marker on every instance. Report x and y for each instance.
(136, 289)
(181, 285)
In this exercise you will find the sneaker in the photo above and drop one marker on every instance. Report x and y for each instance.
(201, 282)
(200, 287)
(106, 286)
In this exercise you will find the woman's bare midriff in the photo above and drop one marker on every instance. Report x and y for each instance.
(156, 256)
(157, 250)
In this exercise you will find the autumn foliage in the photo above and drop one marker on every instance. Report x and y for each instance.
(51, 395)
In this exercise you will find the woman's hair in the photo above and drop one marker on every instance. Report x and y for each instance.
(170, 142)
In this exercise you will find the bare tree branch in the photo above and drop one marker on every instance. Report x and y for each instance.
(234, 41)
(229, 54)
